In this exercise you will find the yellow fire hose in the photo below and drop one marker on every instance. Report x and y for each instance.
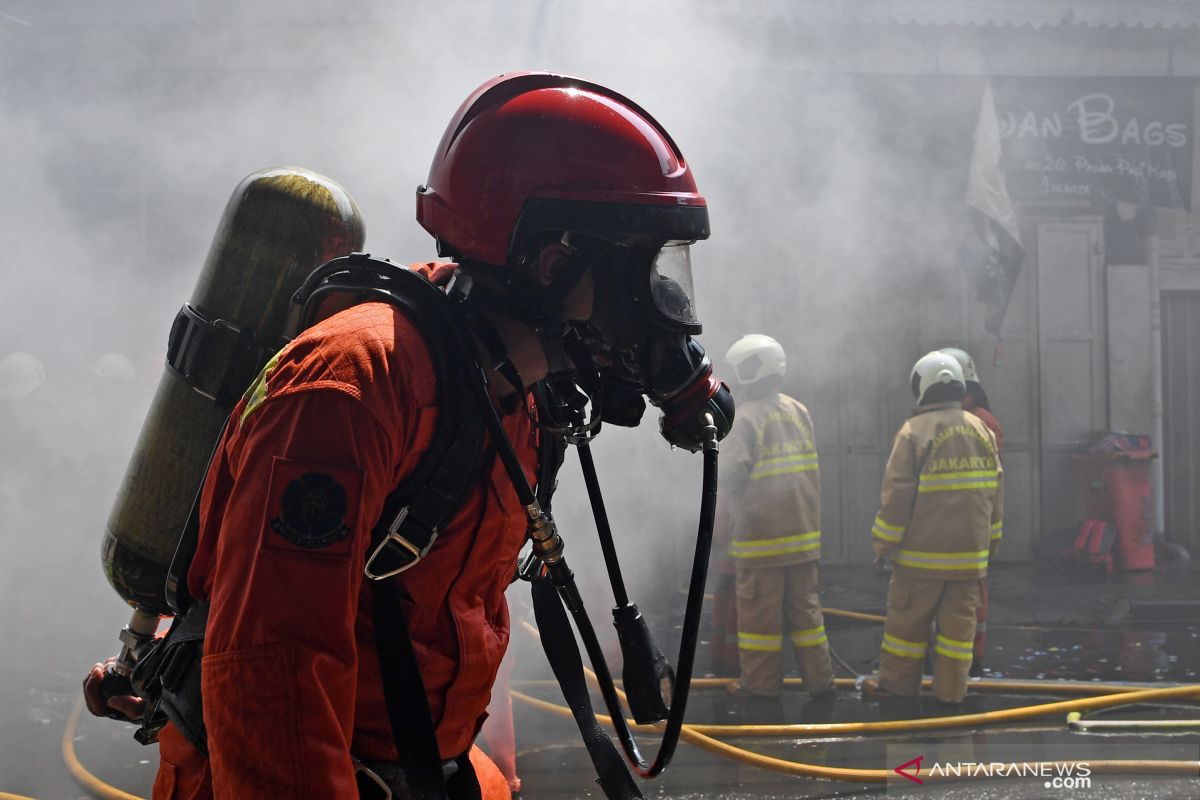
(84, 778)
(1004, 685)
(958, 720)
(859, 615)
(1076, 723)
(698, 735)
(704, 742)
(1001, 685)
(10, 796)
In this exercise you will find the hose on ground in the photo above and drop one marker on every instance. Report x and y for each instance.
(85, 779)
(695, 737)
(699, 735)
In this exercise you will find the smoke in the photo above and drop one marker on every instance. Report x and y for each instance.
(127, 124)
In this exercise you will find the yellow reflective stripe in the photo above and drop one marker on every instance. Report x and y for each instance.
(955, 643)
(881, 530)
(782, 471)
(969, 473)
(809, 637)
(774, 471)
(925, 560)
(758, 641)
(879, 523)
(953, 481)
(784, 465)
(759, 548)
(953, 487)
(257, 392)
(811, 455)
(954, 648)
(885, 531)
(903, 648)
(997, 529)
(952, 653)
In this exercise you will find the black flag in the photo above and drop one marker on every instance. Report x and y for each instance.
(994, 251)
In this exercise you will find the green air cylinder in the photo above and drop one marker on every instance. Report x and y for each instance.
(280, 224)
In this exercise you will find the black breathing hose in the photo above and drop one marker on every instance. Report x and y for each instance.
(695, 603)
(603, 528)
(564, 580)
(688, 641)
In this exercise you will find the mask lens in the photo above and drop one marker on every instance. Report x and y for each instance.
(671, 283)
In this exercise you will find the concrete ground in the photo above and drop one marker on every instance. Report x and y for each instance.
(1045, 624)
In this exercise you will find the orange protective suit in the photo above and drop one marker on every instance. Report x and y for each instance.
(291, 682)
(988, 419)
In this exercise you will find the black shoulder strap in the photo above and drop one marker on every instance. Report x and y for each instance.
(415, 511)
(412, 517)
(563, 654)
(404, 693)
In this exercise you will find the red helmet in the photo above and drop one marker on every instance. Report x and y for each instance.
(531, 152)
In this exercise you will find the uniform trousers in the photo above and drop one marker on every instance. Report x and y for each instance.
(770, 602)
(913, 606)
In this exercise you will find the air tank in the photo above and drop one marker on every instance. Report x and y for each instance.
(280, 224)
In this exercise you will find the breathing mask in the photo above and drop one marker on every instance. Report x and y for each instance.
(639, 338)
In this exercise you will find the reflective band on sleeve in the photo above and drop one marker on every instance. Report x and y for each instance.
(997, 529)
(759, 641)
(886, 532)
(783, 545)
(809, 637)
(784, 465)
(977, 559)
(903, 648)
(953, 648)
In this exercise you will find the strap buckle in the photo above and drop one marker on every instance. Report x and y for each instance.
(395, 547)
(389, 778)
(374, 777)
(215, 357)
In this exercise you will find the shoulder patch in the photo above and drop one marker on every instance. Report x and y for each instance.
(312, 511)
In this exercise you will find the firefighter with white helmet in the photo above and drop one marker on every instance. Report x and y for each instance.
(939, 521)
(20, 375)
(774, 493)
(115, 367)
(976, 401)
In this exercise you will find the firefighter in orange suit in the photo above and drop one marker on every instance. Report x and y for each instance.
(556, 197)
(976, 401)
(939, 521)
(773, 487)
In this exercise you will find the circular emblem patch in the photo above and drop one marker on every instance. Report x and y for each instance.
(312, 511)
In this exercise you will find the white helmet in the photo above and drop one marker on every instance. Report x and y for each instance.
(965, 361)
(934, 368)
(754, 357)
(114, 367)
(20, 375)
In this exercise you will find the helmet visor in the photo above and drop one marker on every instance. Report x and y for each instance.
(671, 284)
